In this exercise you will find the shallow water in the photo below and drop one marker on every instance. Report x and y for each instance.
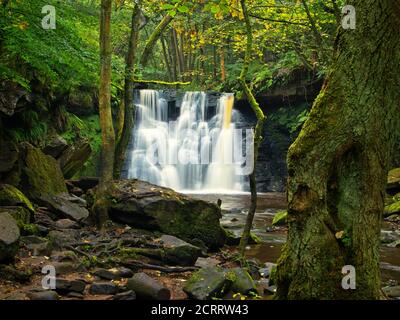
(234, 207)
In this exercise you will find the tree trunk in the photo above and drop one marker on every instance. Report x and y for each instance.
(129, 106)
(222, 63)
(106, 124)
(257, 132)
(338, 164)
(153, 39)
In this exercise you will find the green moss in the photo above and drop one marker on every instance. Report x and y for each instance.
(279, 218)
(392, 208)
(29, 229)
(21, 215)
(42, 174)
(11, 196)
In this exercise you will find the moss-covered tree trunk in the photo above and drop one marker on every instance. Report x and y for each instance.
(257, 132)
(129, 107)
(107, 130)
(338, 164)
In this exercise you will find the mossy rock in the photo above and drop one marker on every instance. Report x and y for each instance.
(9, 237)
(143, 205)
(207, 283)
(242, 282)
(11, 196)
(391, 209)
(280, 218)
(41, 174)
(393, 182)
(22, 215)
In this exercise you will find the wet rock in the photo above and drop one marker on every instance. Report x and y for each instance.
(392, 292)
(178, 251)
(207, 283)
(113, 274)
(279, 218)
(74, 158)
(41, 174)
(127, 295)
(143, 205)
(394, 244)
(55, 146)
(43, 295)
(64, 286)
(103, 288)
(9, 237)
(62, 205)
(146, 287)
(206, 262)
(11, 196)
(66, 224)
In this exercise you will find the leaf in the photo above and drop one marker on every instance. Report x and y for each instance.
(167, 6)
(339, 235)
(183, 9)
(172, 13)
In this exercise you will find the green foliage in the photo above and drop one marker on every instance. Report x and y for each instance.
(291, 118)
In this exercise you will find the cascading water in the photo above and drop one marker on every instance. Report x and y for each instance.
(189, 153)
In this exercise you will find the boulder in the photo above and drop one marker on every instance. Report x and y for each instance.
(9, 237)
(143, 205)
(207, 283)
(37, 246)
(178, 251)
(41, 174)
(73, 158)
(63, 238)
(11, 196)
(146, 287)
(65, 208)
(393, 182)
(242, 282)
(21, 215)
(55, 147)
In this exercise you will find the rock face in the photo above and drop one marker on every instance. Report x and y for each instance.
(73, 158)
(62, 205)
(146, 206)
(11, 196)
(55, 147)
(41, 174)
(8, 156)
(9, 237)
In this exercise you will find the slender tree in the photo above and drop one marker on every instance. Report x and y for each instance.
(338, 164)
(257, 132)
(128, 104)
(100, 207)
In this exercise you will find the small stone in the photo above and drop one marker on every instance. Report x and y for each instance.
(114, 274)
(392, 292)
(206, 262)
(64, 286)
(44, 295)
(66, 224)
(103, 288)
(127, 295)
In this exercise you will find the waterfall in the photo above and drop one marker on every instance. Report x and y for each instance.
(194, 152)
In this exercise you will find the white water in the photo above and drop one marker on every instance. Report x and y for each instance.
(189, 153)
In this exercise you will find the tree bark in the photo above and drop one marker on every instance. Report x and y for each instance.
(158, 31)
(338, 164)
(107, 131)
(222, 63)
(257, 132)
(129, 106)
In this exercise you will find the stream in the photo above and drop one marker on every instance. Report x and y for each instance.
(234, 208)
